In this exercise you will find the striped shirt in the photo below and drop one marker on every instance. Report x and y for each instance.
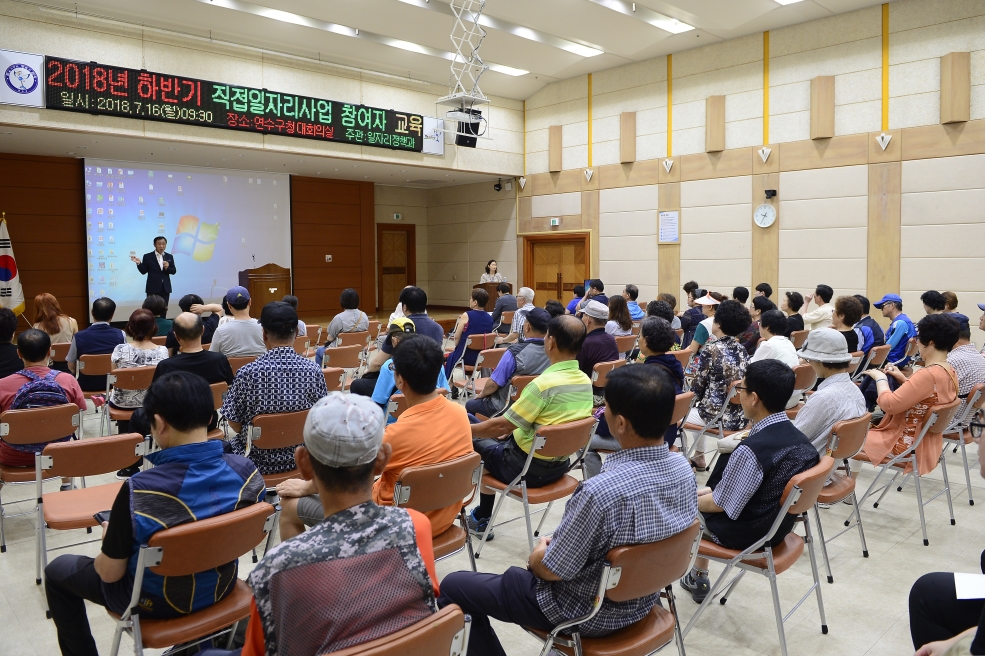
(562, 393)
(520, 318)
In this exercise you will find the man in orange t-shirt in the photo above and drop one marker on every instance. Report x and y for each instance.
(432, 429)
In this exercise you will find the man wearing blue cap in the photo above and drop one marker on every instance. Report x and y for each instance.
(901, 328)
(242, 337)
(966, 360)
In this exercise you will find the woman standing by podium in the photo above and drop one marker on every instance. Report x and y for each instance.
(491, 275)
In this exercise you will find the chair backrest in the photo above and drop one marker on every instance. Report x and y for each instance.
(209, 543)
(798, 338)
(643, 306)
(937, 419)
(855, 358)
(804, 377)
(301, 343)
(973, 401)
(133, 378)
(333, 378)
(684, 357)
(159, 339)
(481, 341)
(430, 487)
(96, 365)
(313, 331)
(811, 482)
(507, 317)
(279, 430)
(236, 363)
(848, 436)
(489, 358)
(362, 338)
(218, 391)
(32, 425)
(879, 354)
(398, 402)
(635, 328)
(639, 570)
(92, 456)
(561, 440)
(625, 343)
(346, 357)
(374, 329)
(517, 385)
(445, 632)
(680, 332)
(600, 371)
(59, 351)
(682, 404)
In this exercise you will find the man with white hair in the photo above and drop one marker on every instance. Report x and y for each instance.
(525, 303)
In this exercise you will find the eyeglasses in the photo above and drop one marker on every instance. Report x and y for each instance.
(741, 387)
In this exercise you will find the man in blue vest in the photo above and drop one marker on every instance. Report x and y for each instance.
(192, 479)
(901, 328)
(98, 339)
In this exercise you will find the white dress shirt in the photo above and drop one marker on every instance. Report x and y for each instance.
(820, 317)
(160, 260)
(777, 347)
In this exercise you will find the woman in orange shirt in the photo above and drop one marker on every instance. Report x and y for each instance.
(905, 408)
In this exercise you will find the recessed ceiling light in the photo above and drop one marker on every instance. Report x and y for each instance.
(633, 10)
(403, 170)
(239, 155)
(70, 152)
(170, 148)
(318, 173)
(366, 177)
(786, 2)
(93, 141)
(301, 160)
(335, 169)
(447, 174)
(355, 166)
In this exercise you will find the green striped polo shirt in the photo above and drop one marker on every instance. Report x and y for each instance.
(562, 393)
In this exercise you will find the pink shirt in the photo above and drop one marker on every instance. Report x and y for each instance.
(10, 385)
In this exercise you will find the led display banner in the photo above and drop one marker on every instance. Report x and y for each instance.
(93, 88)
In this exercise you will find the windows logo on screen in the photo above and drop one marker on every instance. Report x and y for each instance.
(195, 238)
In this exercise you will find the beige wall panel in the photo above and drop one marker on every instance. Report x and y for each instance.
(956, 274)
(524, 208)
(605, 153)
(720, 276)
(628, 224)
(943, 140)
(618, 250)
(943, 174)
(715, 218)
(803, 274)
(849, 212)
(555, 148)
(955, 100)
(619, 274)
(724, 246)
(723, 191)
(715, 124)
(834, 182)
(792, 126)
(942, 207)
(824, 153)
(555, 183)
(727, 163)
(835, 243)
(556, 204)
(891, 153)
(628, 137)
(628, 199)
(958, 240)
(575, 157)
(645, 172)
(823, 107)
(883, 264)
(543, 224)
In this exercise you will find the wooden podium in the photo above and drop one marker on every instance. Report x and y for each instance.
(490, 288)
(265, 284)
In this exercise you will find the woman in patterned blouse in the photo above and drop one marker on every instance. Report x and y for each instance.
(720, 362)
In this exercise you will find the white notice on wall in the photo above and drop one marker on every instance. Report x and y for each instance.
(667, 232)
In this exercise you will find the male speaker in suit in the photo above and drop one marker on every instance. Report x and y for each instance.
(158, 266)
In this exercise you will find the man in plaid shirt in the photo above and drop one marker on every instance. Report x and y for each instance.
(644, 493)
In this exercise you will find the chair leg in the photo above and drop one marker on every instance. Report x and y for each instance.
(965, 465)
(821, 539)
(778, 615)
(3, 538)
(947, 491)
(232, 634)
(465, 527)
(138, 639)
(890, 485)
(38, 540)
(527, 516)
(729, 591)
(117, 635)
(543, 517)
(489, 525)
(673, 607)
(809, 538)
(859, 525)
(917, 490)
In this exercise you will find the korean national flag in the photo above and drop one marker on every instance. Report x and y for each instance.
(22, 80)
(11, 292)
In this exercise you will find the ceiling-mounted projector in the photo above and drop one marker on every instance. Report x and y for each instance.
(468, 128)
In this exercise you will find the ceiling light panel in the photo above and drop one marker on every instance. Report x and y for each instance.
(580, 49)
(642, 13)
(335, 28)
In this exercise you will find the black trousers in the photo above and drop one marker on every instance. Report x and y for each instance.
(365, 384)
(937, 615)
(508, 597)
(504, 460)
(70, 581)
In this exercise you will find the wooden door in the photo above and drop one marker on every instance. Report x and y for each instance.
(395, 262)
(555, 265)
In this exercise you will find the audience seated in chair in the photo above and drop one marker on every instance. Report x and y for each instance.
(278, 381)
(34, 348)
(869, 322)
(847, 314)
(656, 340)
(192, 479)
(593, 293)
(630, 294)
(676, 321)
(242, 337)
(693, 311)
(722, 361)
(664, 310)
(598, 346)
(525, 303)
(48, 316)
(359, 542)
(382, 387)
(292, 300)
(141, 352)
(553, 308)
(933, 384)
(10, 362)
(966, 360)
(619, 323)
(350, 320)
(933, 302)
(159, 308)
(901, 328)
(476, 321)
(562, 393)
(505, 302)
(764, 289)
(100, 338)
(791, 302)
(578, 291)
(414, 306)
(821, 316)
(747, 485)
(525, 358)
(706, 305)
(836, 398)
(750, 337)
(775, 345)
(193, 303)
(644, 493)
(433, 429)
